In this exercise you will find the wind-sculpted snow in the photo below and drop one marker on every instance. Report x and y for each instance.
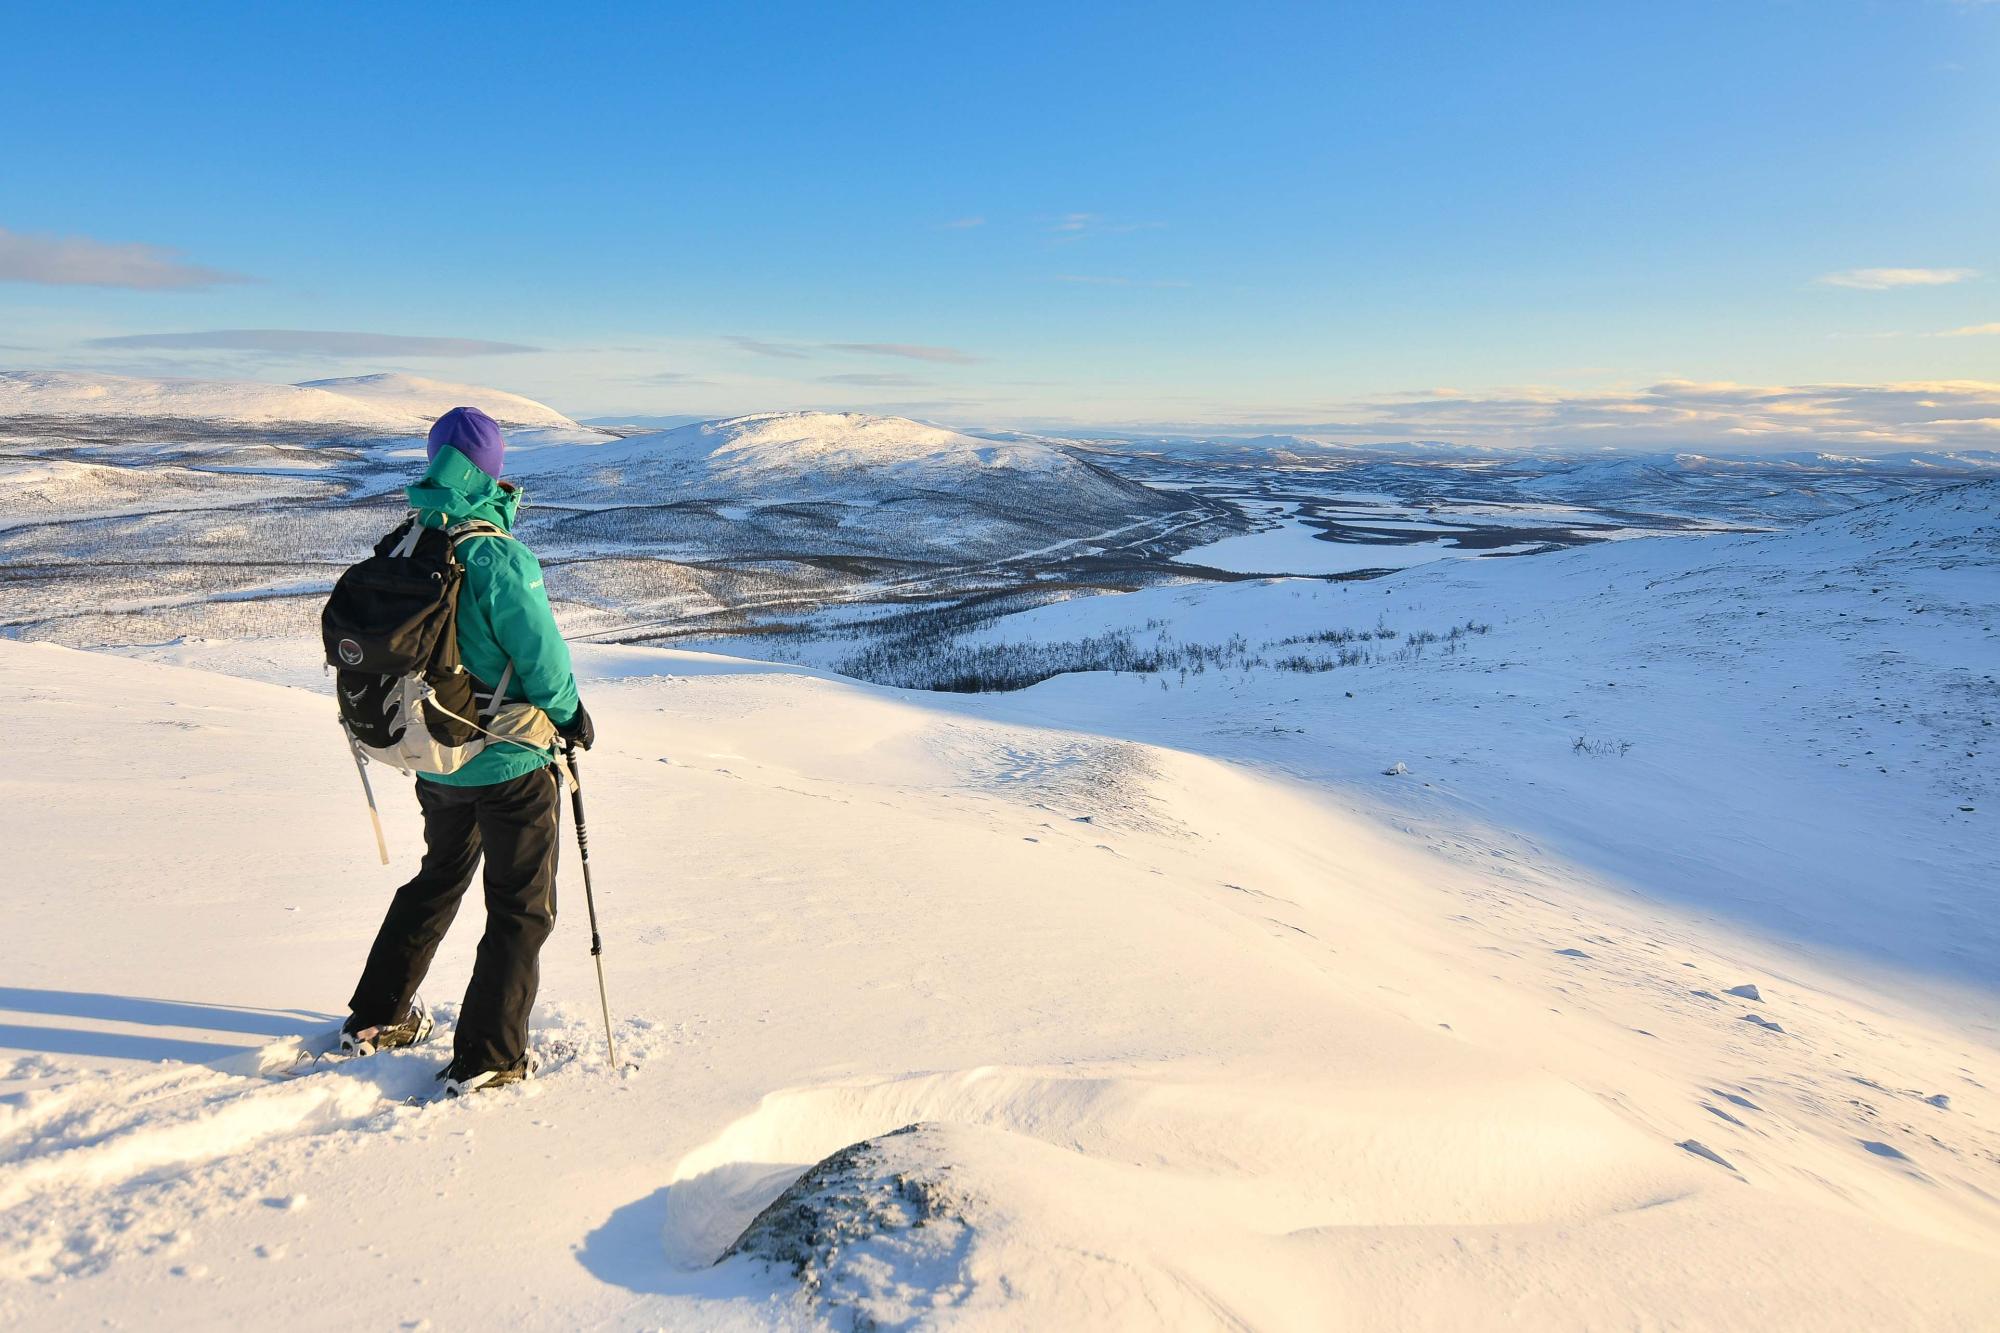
(1205, 1021)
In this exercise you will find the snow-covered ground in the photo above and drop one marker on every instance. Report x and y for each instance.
(1208, 1020)
(1790, 732)
(1597, 938)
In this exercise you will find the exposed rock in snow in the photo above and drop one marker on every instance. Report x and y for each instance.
(849, 1229)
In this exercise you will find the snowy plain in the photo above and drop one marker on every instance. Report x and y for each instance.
(1626, 959)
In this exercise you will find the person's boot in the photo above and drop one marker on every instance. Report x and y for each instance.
(357, 1038)
(460, 1078)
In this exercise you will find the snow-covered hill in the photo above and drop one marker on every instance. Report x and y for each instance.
(35, 490)
(778, 456)
(25, 393)
(842, 485)
(1790, 732)
(425, 400)
(397, 403)
(1192, 1044)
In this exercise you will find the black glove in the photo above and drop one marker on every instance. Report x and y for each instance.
(578, 731)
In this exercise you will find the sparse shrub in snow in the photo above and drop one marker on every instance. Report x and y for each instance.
(927, 664)
(1354, 649)
(924, 649)
(1607, 748)
(1324, 636)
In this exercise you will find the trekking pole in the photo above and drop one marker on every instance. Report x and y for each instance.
(589, 901)
(361, 767)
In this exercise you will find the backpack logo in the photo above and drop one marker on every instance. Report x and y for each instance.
(350, 652)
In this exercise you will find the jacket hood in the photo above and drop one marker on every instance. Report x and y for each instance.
(455, 489)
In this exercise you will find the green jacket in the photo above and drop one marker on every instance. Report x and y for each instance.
(503, 611)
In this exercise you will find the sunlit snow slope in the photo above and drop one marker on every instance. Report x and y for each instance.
(1191, 1046)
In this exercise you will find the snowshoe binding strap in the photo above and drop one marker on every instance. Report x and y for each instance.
(414, 1027)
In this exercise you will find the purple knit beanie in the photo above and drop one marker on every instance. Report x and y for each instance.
(472, 433)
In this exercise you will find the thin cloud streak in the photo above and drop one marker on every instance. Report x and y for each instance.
(1883, 279)
(671, 378)
(79, 261)
(759, 347)
(908, 351)
(1973, 331)
(873, 381)
(314, 342)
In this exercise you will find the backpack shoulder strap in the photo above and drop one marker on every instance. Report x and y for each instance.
(476, 527)
(412, 530)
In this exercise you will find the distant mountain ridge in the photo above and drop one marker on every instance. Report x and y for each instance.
(746, 454)
(833, 485)
(384, 402)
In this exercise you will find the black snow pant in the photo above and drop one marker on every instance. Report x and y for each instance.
(516, 825)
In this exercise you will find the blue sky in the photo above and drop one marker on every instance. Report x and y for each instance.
(1011, 213)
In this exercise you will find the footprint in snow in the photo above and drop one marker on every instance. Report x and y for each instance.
(1702, 1150)
(1881, 1149)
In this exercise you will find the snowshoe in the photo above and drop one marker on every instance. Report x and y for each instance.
(459, 1080)
(365, 1039)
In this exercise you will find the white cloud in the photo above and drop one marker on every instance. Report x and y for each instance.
(1918, 413)
(1671, 415)
(79, 261)
(1973, 331)
(315, 342)
(1882, 279)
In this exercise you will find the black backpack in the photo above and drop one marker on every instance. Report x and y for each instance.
(391, 634)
